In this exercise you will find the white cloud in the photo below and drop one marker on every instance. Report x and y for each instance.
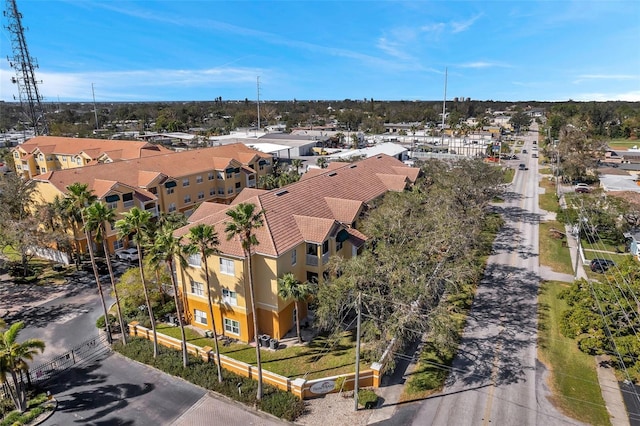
(617, 77)
(127, 85)
(632, 96)
(484, 64)
(460, 26)
(392, 48)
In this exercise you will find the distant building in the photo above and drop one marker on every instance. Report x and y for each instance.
(44, 154)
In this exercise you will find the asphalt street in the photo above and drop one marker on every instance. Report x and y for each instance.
(495, 377)
(116, 391)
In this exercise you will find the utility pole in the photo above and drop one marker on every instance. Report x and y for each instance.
(95, 110)
(357, 378)
(24, 66)
(444, 106)
(258, 88)
(578, 240)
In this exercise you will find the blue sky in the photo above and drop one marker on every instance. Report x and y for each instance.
(151, 50)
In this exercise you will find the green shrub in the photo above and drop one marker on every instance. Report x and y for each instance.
(283, 404)
(10, 419)
(367, 398)
(275, 401)
(100, 321)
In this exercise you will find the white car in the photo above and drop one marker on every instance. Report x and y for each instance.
(129, 254)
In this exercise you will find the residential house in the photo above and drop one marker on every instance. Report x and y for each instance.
(174, 182)
(305, 223)
(44, 154)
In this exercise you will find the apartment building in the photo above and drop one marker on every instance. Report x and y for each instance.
(44, 154)
(305, 223)
(173, 182)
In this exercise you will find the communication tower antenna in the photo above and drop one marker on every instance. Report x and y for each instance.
(24, 66)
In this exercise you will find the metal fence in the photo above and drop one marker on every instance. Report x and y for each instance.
(86, 351)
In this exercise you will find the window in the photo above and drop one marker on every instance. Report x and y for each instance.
(325, 247)
(64, 158)
(43, 170)
(294, 257)
(338, 245)
(227, 267)
(219, 175)
(112, 205)
(212, 192)
(200, 195)
(200, 316)
(195, 260)
(153, 190)
(127, 199)
(185, 182)
(16, 155)
(117, 245)
(221, 191)
(79, 161)
(210, 176)
(197, 288)
(199, 179)
(172, 207)
(230, 191)
(187, 199)
(237, 185)
(312, 249)
(230, 297)
(41, 157)
(231, 326)
(169, 191)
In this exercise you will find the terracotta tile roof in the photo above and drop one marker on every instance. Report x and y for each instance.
(247, 193)
(313, 229)
(135, 171)
(207, 209)
(393, 182)
(356, 237)
(307, 207)
(101, 187)
(345, 211)
(93, 147)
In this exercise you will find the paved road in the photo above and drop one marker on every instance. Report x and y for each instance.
(117, 391)
(495, 377)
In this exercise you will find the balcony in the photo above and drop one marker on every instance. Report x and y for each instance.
(312, 260)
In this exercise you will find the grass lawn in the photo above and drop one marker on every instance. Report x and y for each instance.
(623, 143)
(45, 274)
(508, 174)
(545, 171)
(552, 252)
(548, 201)
(573, 375)
(600, 246)
(321, 357)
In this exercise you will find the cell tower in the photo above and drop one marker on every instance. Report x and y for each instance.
(25, 67)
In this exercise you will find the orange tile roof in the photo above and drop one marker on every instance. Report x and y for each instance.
(207, 209)
(93, 147)
(135, 171)
(305, 209)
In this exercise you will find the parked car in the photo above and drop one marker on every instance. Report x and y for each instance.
(102, 267)
(582, 188)
(601, 265)
(524, 151)
(522, 166)
(534, 155)
(129, 254)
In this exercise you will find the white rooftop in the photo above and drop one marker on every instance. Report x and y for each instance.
(389, 148)
(619, 183)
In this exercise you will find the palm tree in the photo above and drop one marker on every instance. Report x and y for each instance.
(165, 249)
(136, 221)
(297, 163)
(290, 288)
(98, 215)
(13, 362)
(244, 220)
(322, 162)
(203, 239)
(80, 197)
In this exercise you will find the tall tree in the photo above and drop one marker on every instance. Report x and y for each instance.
(13, 362)
(203, 240)
(244, 221)
(290, 288)
(135, 223)
(165, 249)
(297, 164)
(81, 197)
(98, 215)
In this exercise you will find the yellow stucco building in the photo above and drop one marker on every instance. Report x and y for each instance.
(305, 223)
(171, 182)
(44, 154)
